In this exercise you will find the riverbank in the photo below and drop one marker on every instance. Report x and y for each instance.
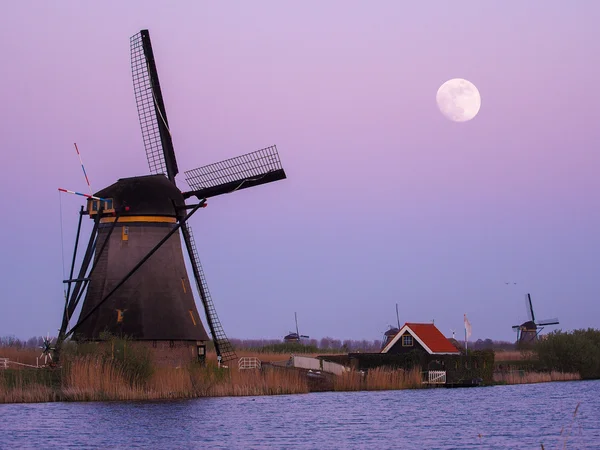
(92, 379)
(98, 378)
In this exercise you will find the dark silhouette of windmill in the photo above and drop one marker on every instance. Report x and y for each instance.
(392, 331)
(528, 331)
(133, 271)
(295, 337)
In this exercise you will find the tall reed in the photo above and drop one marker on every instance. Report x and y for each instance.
(379, 379)
(523, 377)
(92, 378)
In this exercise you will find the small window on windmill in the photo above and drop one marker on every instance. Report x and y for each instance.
(109, 205)
(125, 233)
(93, 207)
(185, 291)
(201, 349)
(192, 317)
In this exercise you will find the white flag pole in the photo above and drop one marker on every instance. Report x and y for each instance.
(466, 342)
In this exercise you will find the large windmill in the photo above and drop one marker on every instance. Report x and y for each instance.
(133, 271)
(528, 331)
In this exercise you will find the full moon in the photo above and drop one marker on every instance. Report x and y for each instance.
(458, 100)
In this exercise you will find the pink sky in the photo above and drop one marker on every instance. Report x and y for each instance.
(386, 201)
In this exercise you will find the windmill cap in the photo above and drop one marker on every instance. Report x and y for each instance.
(149, 195)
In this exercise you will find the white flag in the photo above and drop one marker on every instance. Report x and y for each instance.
(467, 327)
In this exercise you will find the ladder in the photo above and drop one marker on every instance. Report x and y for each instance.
(222, 345)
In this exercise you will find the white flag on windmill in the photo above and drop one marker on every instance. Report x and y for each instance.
(467, 330)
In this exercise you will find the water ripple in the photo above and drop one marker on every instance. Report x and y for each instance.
(522, 416)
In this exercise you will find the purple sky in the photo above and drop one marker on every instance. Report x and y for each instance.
(386, 200)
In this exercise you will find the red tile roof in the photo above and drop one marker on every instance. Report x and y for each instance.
(432, 337)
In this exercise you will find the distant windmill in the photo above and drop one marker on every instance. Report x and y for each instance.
(295, 337)
(529, 331)
(392, 331)
(453, 333)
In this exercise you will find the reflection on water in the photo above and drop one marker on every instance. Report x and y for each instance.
(522, 416)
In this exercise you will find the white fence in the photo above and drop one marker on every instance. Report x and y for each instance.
(3, 363)
(249, 362)
(436, 377)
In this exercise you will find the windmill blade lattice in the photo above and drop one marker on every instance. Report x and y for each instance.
(151, 108)
(252, 169)
(529, 306)
(548, 322)
(222, 344)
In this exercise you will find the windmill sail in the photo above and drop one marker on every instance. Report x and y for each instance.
(151, 108)
(548, 322)
(529, 307)
(252, 169)
(222, 345)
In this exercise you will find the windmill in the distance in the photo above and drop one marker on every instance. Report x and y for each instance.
(528, 331)
(295, 337)
(133, 271)
(392, 331)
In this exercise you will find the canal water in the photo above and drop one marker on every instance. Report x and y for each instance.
(557, 415)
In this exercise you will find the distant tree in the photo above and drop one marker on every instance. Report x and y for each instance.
(325, 343)
(576, 351)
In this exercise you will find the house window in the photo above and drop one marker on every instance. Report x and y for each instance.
(407, 340)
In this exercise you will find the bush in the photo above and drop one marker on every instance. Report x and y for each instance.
(576, 351)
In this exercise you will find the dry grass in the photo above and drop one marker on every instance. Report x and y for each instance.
(92, 379)
(23, 392)
(522, 377)
(20, 355)
(379, 379)
(512, 356)
(88, 379)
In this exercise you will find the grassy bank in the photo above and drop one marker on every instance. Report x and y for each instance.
(95, 376)
(524, 377)
(95, 379)
(118, 373)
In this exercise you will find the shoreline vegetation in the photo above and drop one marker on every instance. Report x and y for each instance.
(122, 372)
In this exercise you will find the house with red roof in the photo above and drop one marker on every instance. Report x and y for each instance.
(421, 337)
